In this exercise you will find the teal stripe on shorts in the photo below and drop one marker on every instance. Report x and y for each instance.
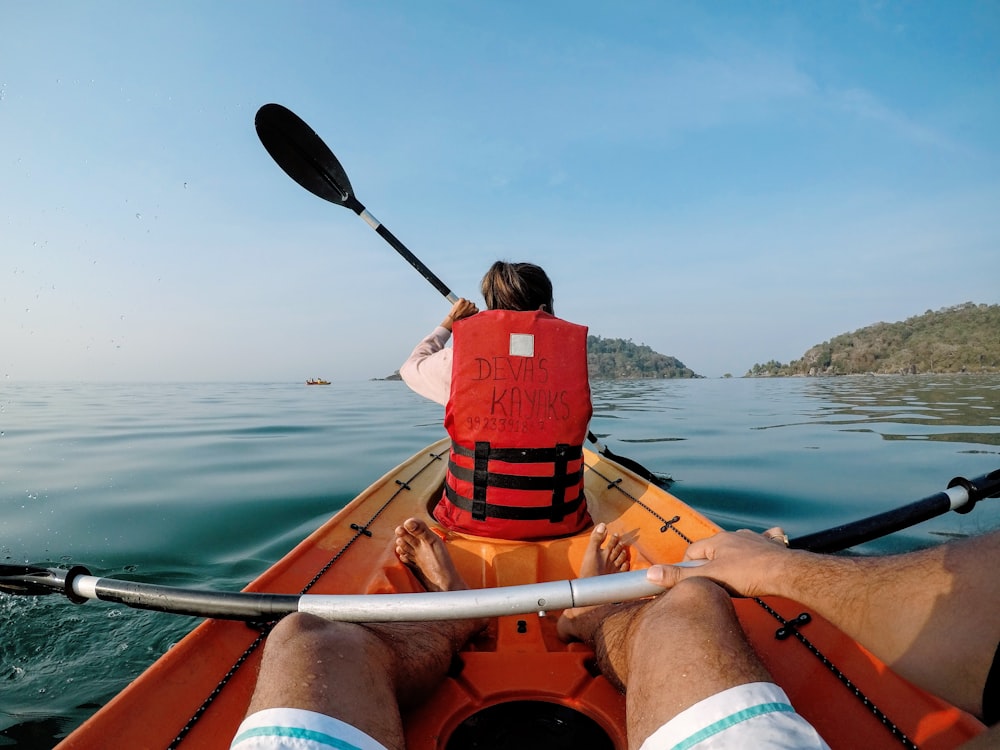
(732, 720)
(320, 738)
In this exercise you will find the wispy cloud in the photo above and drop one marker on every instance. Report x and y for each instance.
(866, 106)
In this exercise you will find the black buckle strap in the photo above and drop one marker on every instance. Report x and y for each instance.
(511, 512)
(517, 481)
(525, 455)
(559, 493)
(480, 480)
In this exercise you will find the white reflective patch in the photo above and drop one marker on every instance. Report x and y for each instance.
(522, 345)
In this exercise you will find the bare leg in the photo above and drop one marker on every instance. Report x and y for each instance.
(599, 560)
(350, 672)
(362, 674)
(670, 653)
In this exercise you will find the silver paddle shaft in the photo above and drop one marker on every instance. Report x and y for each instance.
(495, 602)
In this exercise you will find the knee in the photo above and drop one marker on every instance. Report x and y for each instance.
(691, 604)
(301, 633)
(697, 595)
(296, 628)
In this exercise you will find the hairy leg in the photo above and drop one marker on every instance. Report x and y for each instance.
(363, 674)
(339, 669)
(668, 653)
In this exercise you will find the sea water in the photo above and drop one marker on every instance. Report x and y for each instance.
(205, 485)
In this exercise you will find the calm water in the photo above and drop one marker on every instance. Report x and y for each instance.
(207, 484)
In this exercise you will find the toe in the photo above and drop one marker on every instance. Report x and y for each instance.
(597, 536)
(413, 525)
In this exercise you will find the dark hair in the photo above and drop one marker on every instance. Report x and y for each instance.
(517, 286)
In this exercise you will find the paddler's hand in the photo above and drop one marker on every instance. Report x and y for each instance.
(743, 562)
(461, 309)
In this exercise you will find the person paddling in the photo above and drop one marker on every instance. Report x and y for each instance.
(517, 404)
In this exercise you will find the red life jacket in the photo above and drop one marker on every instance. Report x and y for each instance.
(517, 416)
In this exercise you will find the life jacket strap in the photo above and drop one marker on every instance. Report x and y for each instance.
(511, 512)
(524, 455)
(481, 478)
(560, 481)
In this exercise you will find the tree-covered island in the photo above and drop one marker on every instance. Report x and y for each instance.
(620, 359)
(963, 338)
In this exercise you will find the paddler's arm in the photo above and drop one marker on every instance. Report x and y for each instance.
(933, 615)
(427, 371)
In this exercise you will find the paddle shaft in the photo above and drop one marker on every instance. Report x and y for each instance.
(404, 251)
(961, 496)
(79, 586)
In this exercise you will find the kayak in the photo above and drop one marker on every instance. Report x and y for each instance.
(516, 684)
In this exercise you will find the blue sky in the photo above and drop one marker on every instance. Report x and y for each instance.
(728, 182)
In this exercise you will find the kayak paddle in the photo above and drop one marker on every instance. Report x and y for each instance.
(961, 497)
(79, 586)
(309, 161)
(304, 157)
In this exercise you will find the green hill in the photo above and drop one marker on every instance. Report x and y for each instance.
(620, 359)
(963, 338)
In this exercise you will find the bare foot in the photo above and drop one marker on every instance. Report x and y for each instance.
(599, 560)
(426, 555)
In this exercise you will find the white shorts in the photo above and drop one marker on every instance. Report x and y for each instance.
(298, 729)
(754, 715)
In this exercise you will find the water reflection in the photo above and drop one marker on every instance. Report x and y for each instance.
(611, 396)
(808, 453)
(958, 408)
(912, 408)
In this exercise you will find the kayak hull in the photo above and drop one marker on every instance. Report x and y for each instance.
(196, 694)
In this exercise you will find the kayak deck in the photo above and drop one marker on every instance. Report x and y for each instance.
(516, 680)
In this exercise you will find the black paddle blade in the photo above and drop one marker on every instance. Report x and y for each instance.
(302, 154)
(660, 480)
(28, 580)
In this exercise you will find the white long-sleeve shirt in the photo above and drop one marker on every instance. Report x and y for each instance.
(427, 371)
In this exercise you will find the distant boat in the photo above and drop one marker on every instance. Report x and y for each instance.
(317, 381)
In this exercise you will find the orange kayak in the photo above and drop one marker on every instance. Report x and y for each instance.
(517, 679)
